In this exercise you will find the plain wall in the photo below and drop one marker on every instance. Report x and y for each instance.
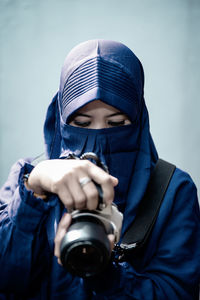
(36, 35)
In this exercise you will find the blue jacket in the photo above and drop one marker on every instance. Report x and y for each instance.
(168, 269)
(169, 266)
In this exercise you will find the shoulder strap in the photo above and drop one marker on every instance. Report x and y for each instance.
(139, 231)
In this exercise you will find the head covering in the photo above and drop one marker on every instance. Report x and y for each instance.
(100, 69)
(109, 71)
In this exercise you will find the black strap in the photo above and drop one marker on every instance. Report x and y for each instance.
(139, 231)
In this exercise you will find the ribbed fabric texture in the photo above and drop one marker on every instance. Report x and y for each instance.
(100, 73)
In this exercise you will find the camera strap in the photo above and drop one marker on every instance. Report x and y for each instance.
(138, 233)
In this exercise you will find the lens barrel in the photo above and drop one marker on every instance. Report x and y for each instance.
(85, 248)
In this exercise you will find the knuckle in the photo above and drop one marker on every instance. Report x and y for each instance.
(69, 203)
(75, 168)
(81, 199)
(81, 166)
(58, 187)
(92, 193)
(66, 200)
(69, 173)
(85, 163)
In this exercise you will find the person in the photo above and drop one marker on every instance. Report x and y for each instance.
(98, 108)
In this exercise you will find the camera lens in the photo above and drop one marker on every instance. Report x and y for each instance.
(85, 259)
(85, 248)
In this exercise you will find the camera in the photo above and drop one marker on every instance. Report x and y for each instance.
(85, 248)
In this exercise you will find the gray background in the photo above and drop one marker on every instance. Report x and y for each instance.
(35, 36)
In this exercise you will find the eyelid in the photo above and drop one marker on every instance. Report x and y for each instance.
(120, 122)
(81, 118)
(81, 123)
(117, 118)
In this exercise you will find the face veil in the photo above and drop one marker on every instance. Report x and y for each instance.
(107, 71)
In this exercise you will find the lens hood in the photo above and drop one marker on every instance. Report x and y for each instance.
(85, 248)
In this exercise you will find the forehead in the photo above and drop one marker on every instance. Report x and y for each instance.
(97, 105)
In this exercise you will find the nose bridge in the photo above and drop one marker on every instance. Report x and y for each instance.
(99, 119)
(99, 124)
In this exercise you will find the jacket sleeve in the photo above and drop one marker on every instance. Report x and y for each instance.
(170, 267)
(22, 240)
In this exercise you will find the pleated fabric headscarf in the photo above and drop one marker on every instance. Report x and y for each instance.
(107, 71)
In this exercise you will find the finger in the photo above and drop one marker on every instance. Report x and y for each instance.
(92, 195)
(62, 229)
(96, 173)
(66, 197)
(115, 180)
(107, 188)
(78, 194)
(111, 238)
(106, 181)
(59, 261)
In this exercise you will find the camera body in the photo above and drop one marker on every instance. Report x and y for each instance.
(85, 249)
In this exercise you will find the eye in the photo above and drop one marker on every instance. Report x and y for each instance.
(80, 123)
(116, 123)
(118, 120)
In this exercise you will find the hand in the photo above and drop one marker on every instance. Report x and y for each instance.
(62, 229)
(62, 177)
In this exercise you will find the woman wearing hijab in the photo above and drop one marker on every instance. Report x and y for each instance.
(99, 108)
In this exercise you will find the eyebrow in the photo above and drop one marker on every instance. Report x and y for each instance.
(82, 115)
(116, 114)
(88, 116)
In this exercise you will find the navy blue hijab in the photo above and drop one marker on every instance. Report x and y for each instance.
(107, 71)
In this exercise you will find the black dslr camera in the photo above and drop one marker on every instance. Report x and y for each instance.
(85, 249)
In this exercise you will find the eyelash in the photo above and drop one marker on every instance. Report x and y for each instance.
(111, 123)
(82, 124)
(119, 123)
